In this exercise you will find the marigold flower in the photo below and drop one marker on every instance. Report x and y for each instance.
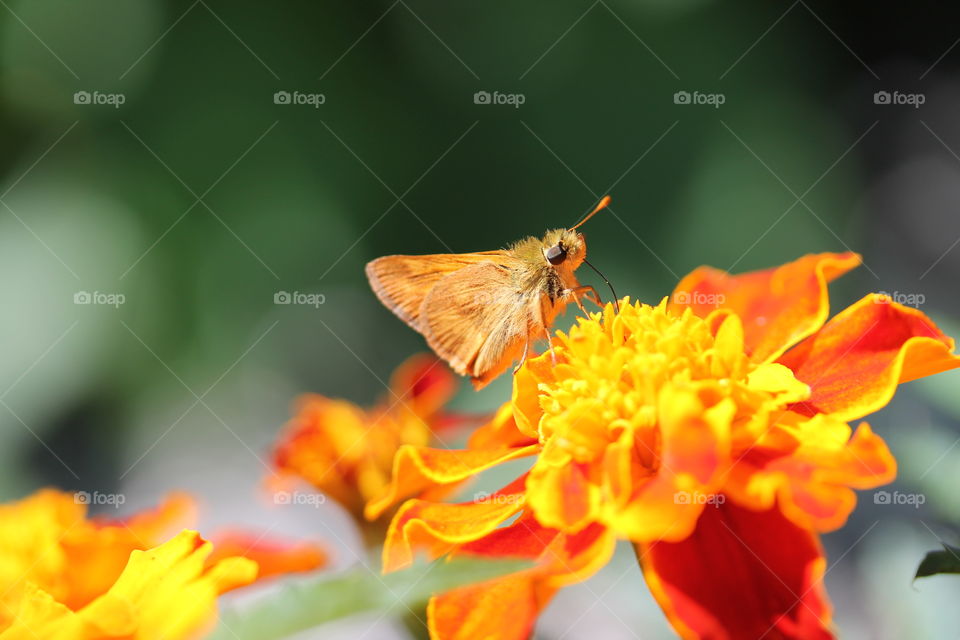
(63, 575)
(710, 430)
(346, 451)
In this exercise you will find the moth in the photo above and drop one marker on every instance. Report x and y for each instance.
(482, 311)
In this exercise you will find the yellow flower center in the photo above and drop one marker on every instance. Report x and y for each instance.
(611, 375)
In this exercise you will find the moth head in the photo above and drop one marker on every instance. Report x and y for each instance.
(564, 248)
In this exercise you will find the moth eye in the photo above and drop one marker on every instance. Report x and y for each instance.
(556, 254)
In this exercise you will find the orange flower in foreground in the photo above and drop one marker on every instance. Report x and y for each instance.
(711, 431)
(63, 575)
(347, 452)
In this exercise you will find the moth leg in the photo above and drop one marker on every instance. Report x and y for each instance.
(583, 290)
(553, 354)
(526, 352)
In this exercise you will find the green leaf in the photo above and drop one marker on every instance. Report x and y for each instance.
(307, 603)
(946, 561)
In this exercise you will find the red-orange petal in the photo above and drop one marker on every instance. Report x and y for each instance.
(778, 307)
(479, 611)
(501, 431)
(855, 362)
(742, 574)
(423, 382)
(273, 556)
(814, 483)
(416, 469)
(437, 528)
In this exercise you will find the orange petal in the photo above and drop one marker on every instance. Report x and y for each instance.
(854, 364)
(96, 554)
(416, 469)
(813, 483)
(166, 592)
(177, 510)
(273, 557)
(695, 441)
(778, 307)
(478, 611)
(526, 395)
(424, 382)
(438, 527)
(499, 432)
(742, 574)
(562, 495)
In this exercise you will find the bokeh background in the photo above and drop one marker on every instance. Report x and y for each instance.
(183, 185)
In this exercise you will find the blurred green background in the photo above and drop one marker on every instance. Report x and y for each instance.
(180, 179)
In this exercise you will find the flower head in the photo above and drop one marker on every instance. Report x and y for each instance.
(346, 451)
(711, 430)
(64, 575)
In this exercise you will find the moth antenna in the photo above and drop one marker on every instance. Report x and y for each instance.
(616, 301)
(603, 203)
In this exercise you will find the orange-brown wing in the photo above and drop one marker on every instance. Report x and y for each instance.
(402, 282)
(477, 320)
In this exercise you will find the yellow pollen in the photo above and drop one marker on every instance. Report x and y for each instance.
(613, 368)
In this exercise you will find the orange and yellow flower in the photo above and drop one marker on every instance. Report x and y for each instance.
(346, 451)
(63, 575)
(712, 431)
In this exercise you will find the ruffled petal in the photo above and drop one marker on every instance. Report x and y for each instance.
(778, 307)
(695, 443)
(438, 528)
(813, 483)
(478, 611)
(500, 432)
(424, 383)
(416, 469)
(526, 396)
(167, 592)
(855, 362)
(273, 556)
(741, 574)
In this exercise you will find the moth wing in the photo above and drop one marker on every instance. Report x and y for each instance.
(403, 282)
(475, 318)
